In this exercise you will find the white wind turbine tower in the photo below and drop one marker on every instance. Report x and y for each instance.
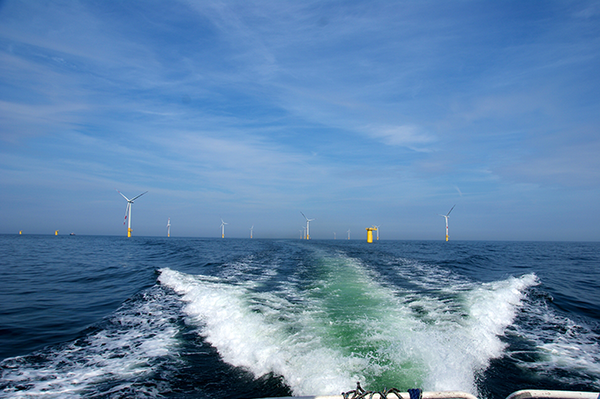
(223, 228)
(128, 210)
(446, 217)
(348, 233)
(377, 229)
(169, 228)
(251, 229)
(307, 225)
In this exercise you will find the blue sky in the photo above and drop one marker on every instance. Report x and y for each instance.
(355, 113)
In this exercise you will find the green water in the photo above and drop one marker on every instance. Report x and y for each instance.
(359, 316)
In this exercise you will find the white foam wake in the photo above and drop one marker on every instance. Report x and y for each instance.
(438, 338)
(462, 344)
(129, 347)
(262, 333)
(380, 337)
(559, 344)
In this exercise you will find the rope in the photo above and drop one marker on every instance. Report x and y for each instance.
(360, 393)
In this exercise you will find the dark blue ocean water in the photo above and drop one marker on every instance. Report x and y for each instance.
(213, 318)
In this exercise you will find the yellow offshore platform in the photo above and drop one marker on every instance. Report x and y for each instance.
(370, 233)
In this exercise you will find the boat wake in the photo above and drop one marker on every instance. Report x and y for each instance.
(348, 324)
(115, 358)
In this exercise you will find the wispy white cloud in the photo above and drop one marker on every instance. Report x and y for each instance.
(409, 136)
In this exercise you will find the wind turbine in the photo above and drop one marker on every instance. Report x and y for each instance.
(169, 228)
(307, 225)
(334, 235)
(251, 228)
(446, 217)
(377, 228)
(128, 210)
(223, 228)
(348, 233)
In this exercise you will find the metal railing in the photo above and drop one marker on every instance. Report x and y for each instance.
(542, 394)
(393, 393)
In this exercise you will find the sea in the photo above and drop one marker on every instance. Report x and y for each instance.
(158, 317)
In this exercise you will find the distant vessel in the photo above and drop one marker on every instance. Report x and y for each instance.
(72, 234)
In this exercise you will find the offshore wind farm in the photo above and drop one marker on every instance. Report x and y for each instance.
(255, 129)
(323, 110)
(305, 232)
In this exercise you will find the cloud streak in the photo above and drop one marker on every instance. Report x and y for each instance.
(405, 136)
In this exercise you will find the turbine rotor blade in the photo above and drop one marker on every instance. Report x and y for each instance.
(126, 212)
(127, 199)
(134, 198)
(450, 210)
